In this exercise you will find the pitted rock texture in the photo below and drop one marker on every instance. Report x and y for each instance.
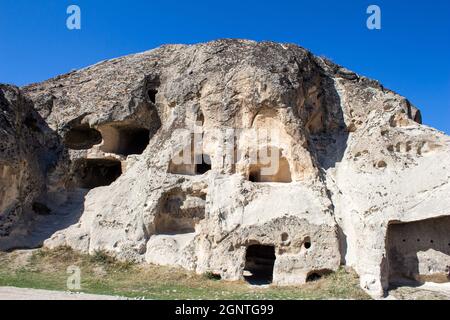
(28, 149)
(353, 159)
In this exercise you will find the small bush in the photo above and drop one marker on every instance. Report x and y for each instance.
(102, 257)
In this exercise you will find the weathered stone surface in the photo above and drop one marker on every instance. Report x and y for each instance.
(353, 161)
(28, 149)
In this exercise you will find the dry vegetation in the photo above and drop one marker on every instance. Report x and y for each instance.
(102, 274)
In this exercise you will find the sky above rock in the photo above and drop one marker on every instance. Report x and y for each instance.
(410, 54)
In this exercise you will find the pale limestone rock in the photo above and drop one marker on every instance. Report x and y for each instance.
(354, 163)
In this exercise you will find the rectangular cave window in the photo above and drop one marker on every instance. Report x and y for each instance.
(135, 141)
(419, 251)
(204, 166)
(93, 173)
(254, 176)
(259, 264)
(125, 140)
(276, 171)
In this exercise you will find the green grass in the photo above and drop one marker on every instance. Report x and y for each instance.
(102, 274)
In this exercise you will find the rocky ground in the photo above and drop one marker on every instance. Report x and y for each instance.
(426, 291)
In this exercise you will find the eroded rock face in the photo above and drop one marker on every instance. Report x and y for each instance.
(28, 150)
(243, 159)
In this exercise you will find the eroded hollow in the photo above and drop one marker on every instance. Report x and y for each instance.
(82, 137)
(204, 164)
(179, 213)
(93, 173)
(259, 264)
(274, 169)
(152, 95)
(314, 276)
(193, 165)
(125, 140)
(419, 251)
(418, 117)
(307, 243)
(317, 275)
(181, 168)
(200, 119)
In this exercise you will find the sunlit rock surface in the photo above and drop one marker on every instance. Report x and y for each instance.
(243, 159)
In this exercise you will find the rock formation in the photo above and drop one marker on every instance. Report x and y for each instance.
(247, 160)
(28, 149)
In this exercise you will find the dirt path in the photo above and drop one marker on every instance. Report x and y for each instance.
(11, 293)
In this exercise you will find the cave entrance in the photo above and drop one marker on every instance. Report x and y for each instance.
(204, 166)
(419, 251)
(82, 137)
(93, 173)
(152, 95)
(134, 141)
(259, 264)
(125, 140)
(315, 275)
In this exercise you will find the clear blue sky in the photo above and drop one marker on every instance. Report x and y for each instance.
(410, 54)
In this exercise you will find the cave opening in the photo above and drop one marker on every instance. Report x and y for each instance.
(125, 140)
(82, 137)
(200, 119)
(93, 173)
(135, 140)
(316, 275)
(419, 251)
(254, 175)
(152, 95)
(418, 117)
(204, 166)
(259, 264)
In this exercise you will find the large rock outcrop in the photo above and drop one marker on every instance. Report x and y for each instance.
(28, 149)
(246, 159)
